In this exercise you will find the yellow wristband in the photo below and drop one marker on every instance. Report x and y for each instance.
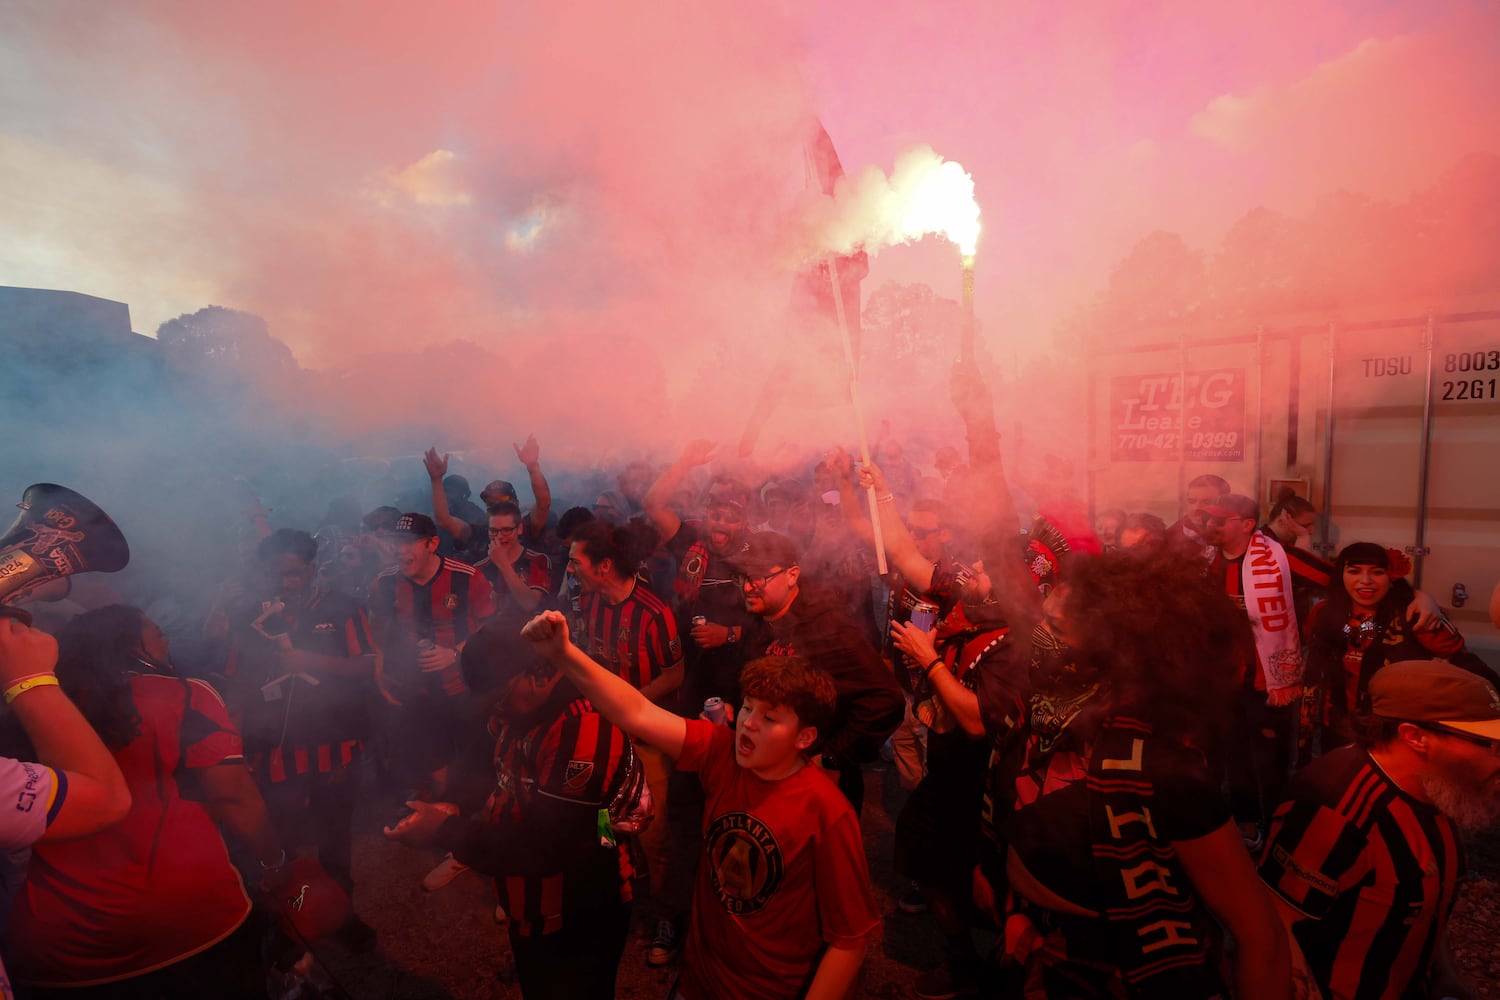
(21, 687)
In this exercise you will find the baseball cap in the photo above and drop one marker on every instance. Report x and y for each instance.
(1436, 691)
(311, 905)
(765, 551)
(789, 490)
(498, 490)
(456, 486)
(1234, 505)
(415, 524)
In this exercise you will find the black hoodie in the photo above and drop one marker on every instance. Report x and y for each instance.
(817, 627)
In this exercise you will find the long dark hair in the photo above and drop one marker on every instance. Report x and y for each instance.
(1166, 640)
(1329, 640)
(1328, 636)
(96, 654)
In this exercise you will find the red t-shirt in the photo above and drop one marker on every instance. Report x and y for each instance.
(782, 876)
(158, 886)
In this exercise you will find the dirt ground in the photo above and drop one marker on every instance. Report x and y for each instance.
(446, 945)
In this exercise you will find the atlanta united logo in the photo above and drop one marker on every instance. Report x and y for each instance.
(745, 860)
(692, 567)
(450, 602)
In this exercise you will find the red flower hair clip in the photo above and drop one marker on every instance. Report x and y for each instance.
(1398, 563)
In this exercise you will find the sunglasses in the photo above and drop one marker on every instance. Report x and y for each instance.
(917, 532)
(1493, 746)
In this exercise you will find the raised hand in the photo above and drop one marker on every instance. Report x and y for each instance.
(870, 475)
(698, 452)
(839, 463)
(548, 632)
(437, 467)
(529, 453)
(24, 651)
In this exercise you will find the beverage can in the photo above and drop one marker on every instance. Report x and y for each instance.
(699, 620)
(715, 710)
(924, 615)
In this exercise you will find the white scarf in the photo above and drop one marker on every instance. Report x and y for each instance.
(1266, 581)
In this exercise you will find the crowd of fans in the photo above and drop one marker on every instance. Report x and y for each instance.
(1186, 760)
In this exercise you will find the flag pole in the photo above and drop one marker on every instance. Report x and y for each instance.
(859, 417)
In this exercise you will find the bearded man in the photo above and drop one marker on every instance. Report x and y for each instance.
(1364, 854)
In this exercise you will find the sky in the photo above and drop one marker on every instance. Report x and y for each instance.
(618, 187)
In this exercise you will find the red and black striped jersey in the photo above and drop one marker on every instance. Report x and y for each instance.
(301, 722)
(1373, 870)
(534, 569)
(637, 638)
(540, 833)
(447, 608)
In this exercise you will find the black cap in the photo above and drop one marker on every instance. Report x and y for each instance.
(498, 490)
(765, 552)
(415, 524)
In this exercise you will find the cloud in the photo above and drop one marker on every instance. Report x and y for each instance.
(1384, 117)
(434, 180)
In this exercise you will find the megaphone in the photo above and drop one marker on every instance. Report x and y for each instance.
(59, 533)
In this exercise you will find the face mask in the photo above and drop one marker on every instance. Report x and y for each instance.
(831, 497)
(1060, 687)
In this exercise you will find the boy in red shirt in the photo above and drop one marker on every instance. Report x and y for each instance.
(782, 905)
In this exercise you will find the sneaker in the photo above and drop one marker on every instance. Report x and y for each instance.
(664, 946)
(939, 984)
(912, 901)
(447, 870)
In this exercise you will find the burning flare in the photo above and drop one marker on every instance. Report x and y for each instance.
(924, 195)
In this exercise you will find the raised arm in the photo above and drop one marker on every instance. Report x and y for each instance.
(849, 502)
(613, 696)
(530, 455)
(900, 551)
(437, 468)
(96, 795)
(658, 498)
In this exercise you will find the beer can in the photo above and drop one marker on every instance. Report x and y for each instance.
(425, 645)
(699, 620)
(924, 615)
(715, 710)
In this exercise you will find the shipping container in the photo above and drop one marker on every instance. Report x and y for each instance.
(1391, 427)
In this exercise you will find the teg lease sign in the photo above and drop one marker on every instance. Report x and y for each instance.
(1153, 420)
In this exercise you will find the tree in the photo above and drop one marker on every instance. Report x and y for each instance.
(217, 349)
(1160, 279)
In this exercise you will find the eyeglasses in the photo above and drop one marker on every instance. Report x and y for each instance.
(1217, 522)
(1493, 746)
(498, 532)
(757, 582)
(917, 532)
